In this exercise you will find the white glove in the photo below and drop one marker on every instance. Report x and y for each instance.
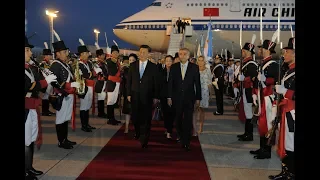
(97, 70)
(31, 62)
(254, 97)
(215, 83)
(274, 112)
(75, 84)
(261, 77)
(281, 89)
(241, 77)
(51, 78)
(236, 91)
(80, 72)
(47, 71)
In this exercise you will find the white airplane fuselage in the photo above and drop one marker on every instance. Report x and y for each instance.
(149, 26)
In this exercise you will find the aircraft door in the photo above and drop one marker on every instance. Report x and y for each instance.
(235, 5)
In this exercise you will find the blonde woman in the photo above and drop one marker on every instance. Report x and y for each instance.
(205, 80)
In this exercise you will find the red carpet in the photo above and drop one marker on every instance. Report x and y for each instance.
(124, 159)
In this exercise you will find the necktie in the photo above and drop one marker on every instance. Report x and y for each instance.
(182, 71)
(141, 70)
(167, 76)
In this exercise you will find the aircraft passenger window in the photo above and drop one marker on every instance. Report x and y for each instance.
(283, 4)
(141, 26)
(248, 4)
(231, 26)
(257, 4)
(249, 26)
(157, 4)
(204, 4)
(191, 4)
(261, 4)
(288, 4)
(210, 4)
(270, 4)
(292, 4)
(218, 26)
(252, 4)
(217, 4)
(196, 4)
(226, 4)
(221, 4)
(187, 4)
(274, 4)
(244, 26)
(213, 4)
(200, 4)
(243, 4)
(149, 26)
(213, 26)
(265, 4)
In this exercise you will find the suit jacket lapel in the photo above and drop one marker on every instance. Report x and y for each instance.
(180, 74)
(188, 69)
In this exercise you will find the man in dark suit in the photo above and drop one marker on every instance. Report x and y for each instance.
(184, 90)
(143, 92)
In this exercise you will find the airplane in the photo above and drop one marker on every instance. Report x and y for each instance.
(149, 26)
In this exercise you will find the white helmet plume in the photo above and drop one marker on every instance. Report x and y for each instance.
(56, 35)
(81, 42)
(46, 45)
(97, 45)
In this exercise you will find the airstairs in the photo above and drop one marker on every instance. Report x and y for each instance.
(176, 42)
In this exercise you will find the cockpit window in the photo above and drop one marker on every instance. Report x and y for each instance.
(156, 4)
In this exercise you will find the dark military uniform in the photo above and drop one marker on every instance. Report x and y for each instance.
(218, 72)
(269, 70)
(86, 99)
(101, 83)
(113, 86)
(249, 71)
(33, 84)
(64, 104)
(287, 123)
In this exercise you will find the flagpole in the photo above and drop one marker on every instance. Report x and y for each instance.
(279, 16)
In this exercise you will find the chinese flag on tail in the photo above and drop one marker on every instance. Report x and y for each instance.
(210, 11)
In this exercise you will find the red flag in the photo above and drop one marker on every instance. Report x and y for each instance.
(210, 11)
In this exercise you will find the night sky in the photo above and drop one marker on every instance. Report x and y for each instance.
(77, 19)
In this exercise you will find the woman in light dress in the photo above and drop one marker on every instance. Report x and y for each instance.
(205, 80)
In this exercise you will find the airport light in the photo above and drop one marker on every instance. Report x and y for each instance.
(51, 14)
(97, 34)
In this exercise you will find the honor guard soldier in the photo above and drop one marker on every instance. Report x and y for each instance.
(46, 65)
(113, 84)
(249, 72)
(218, 83)
(265, 81)
(65, 98)
(101, 82)
(235, 76)
(86, 71)
(287, 123)
(32, 87)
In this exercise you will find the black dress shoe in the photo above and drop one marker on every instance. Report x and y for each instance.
(71, 142)
(65, 145)
(91, 127)
(144, 145)
(30, 176)
(136, 136)
(246, 138)
(263, 155)
(85, 129)
(217, 113)
(102, 115)
(241, 135)
(255, 152)
(186, 147)
(35, 172)
(283, 175)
